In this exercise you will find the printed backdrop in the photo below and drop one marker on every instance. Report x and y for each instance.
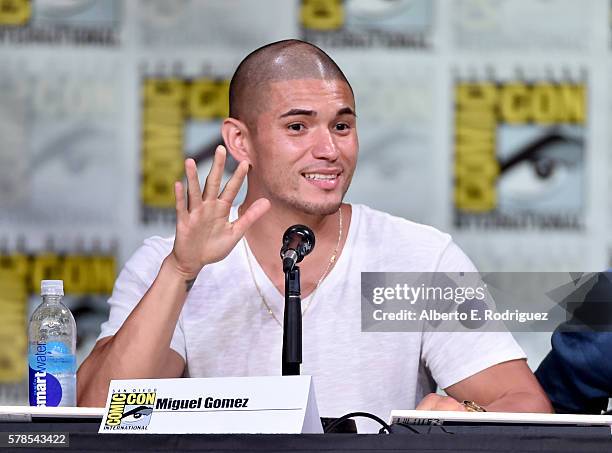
(485, 118)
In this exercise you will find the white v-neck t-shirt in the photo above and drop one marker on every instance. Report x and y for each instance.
(225, 329)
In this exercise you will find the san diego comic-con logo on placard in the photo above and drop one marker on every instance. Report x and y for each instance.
(130, 410)
(133, 410)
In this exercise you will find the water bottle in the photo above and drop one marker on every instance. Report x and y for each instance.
(52, 348)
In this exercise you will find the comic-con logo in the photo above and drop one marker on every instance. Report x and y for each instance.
(180, 117)
(130, 410)
(367, 23)
(82, 22)
(520, 153)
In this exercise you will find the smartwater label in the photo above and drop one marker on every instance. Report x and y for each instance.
(52, 371)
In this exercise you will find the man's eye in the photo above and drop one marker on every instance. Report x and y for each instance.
(342, 127)
(297, 127)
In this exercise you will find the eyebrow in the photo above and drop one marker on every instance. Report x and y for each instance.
(346, 111)
(296, 112)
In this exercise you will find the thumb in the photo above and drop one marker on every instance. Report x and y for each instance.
(252, 214)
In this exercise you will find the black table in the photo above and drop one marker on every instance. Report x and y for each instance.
(447, 438)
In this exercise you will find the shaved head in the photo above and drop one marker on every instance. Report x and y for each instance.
(283, 60)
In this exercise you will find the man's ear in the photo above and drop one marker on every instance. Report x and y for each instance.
(237, 139)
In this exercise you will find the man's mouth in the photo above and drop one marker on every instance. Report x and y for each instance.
(320, 176)
(328, 180)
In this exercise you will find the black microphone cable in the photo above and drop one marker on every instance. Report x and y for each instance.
(333, 425)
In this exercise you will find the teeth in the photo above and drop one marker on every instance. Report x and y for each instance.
(319, 176)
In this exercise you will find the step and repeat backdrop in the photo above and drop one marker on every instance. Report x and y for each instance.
(488, 119)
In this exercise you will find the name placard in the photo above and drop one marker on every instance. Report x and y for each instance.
(279, 404)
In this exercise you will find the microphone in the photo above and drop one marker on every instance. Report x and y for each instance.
(298, 241)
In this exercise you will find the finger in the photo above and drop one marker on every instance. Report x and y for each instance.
(428, 402)
(449, 404)
(179, 195)
(440, 403)
(213, 180)
(255, 211)
(233, 185)
(193, 183)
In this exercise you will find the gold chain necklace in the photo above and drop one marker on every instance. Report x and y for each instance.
(332, 260)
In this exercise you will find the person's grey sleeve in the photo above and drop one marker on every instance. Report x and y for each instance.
(133, 282)
(454, 356)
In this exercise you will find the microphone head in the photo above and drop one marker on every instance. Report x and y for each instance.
(299, 238)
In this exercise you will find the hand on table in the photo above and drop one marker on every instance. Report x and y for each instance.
(435, 402)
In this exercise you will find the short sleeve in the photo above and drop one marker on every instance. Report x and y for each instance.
(133, 282)
(451, 357)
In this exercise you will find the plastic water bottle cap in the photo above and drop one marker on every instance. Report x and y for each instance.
(52, 288)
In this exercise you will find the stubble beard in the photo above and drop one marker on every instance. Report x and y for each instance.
(314, 208)
(279, 195)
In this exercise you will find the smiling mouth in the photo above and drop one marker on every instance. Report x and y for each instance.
(321, 176)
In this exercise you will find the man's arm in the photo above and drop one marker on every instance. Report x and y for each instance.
(204, 235)
(95, 395)
(577, 373)
(141, 347)
(505, 387)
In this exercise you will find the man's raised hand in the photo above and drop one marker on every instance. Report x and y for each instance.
(204, 234)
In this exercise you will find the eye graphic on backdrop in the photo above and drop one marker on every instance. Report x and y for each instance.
(377, 9)
(545, 172)
(162, 13)
(477, 15)
(75, 147)
(63, 8)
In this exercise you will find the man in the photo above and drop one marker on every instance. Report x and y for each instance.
(577, 373)
(209, 302)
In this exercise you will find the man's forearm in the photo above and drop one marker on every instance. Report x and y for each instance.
(521, 402)
(140, 348)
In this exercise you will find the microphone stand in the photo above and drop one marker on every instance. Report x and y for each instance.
(292, 324)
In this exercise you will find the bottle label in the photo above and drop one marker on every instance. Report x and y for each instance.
(52, 374)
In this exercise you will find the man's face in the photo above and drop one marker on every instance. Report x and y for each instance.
(305, 144)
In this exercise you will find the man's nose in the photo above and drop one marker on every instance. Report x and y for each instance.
(325, 146)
